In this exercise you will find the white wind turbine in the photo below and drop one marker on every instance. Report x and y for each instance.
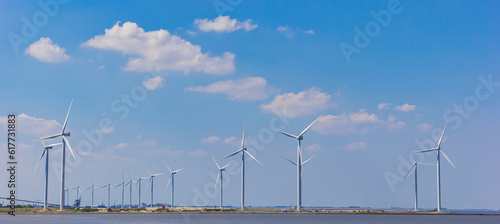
(45, 152)
(171, 178)
(151, 181)
(92, 187)
(123, 189)
(139, 180)
(77, 188)
(415, 165)
(299, 163)
(109, 186)
(65, 143)
(129, 183)
(243, 151)
(438, 152)
(220, 176)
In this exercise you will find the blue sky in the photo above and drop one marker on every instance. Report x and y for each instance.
(195, 73)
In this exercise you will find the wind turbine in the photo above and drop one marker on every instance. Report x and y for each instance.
(109, 189)
(220, 175)
(139, 179)
(151, 181)
(45, 152)
(299, 163)
(123, 189)
(171, 178)
(92, 186)
(77, 188)
(65, 143)
(438, 152)
(130, 182)
(66, 189)
(243, 150)
(415, 164)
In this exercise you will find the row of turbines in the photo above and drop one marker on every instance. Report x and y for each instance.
(243, 150)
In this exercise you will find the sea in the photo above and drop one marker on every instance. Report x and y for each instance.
(246, 218)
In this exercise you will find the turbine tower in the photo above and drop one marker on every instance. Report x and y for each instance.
(109, 190)
(139, 179)
(299, 161)
(151, 181)
(220, 176)
(123, 190)
(438, 152)
(415, 164)
(243, 151)
(45, 152)
(65, 143)
(129, 183)
(77, 188)
(92, 186)
(171, 178)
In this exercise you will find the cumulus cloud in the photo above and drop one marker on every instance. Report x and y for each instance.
(354, 146)
(198, 152)
(384, 106)
(246, 89)
(160, 51)
(405, 107)
(313, 148)
(285, 30)
(309, 32)
(303, 103)
(45, 50)
(107, 130)
(230, 140)
(26, 124)
(120, 146)
(154, 83)
(224, 24)
(425, 127)
(358, 122)
(211, 139)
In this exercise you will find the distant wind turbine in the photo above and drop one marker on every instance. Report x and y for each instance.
(299, 163)
(92, 187)
(45, 152)
(139, 179)
(123, 190)
(221, 169)
(438, 152)
(243, 151)
(415, 165)
(129, 183)
(151, 181)
(65, 143)
(171, 178)
(109, 186)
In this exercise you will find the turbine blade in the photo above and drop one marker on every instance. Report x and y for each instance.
(252, 157)
(169, 179)
(224, 167)
(157, 174)
(148, 171)
(442, 134)
(36, 167)
(149, 181)
(426, 164)
(216, 163)
(217, 180)
(243, 138)
(425, 150)
(167, 166)
(48, 137)
(445, 156)
(39, 137)
(290, 161)
(175, 171)
(305, 130)
(52, 145)
(69, 146)
(287, 134)
(67, 115)
(232, 154)
(308, 160)
(409, 171)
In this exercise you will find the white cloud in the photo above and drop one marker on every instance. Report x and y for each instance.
(107, 130)
(292, 105)
(198, 152)
(102, 67)
(46, 51)
(230, 140)
(359, 122)
(425, 127)
(313, 148)
(287, 31)
(224, 24)
(120, 146)
(139, 137)
(160, 51)
(154, 83)
(384, 106)
(309, 32)
(246, 89)
(26, 124)
(405, 107)
(211, 139)
(354, 146)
